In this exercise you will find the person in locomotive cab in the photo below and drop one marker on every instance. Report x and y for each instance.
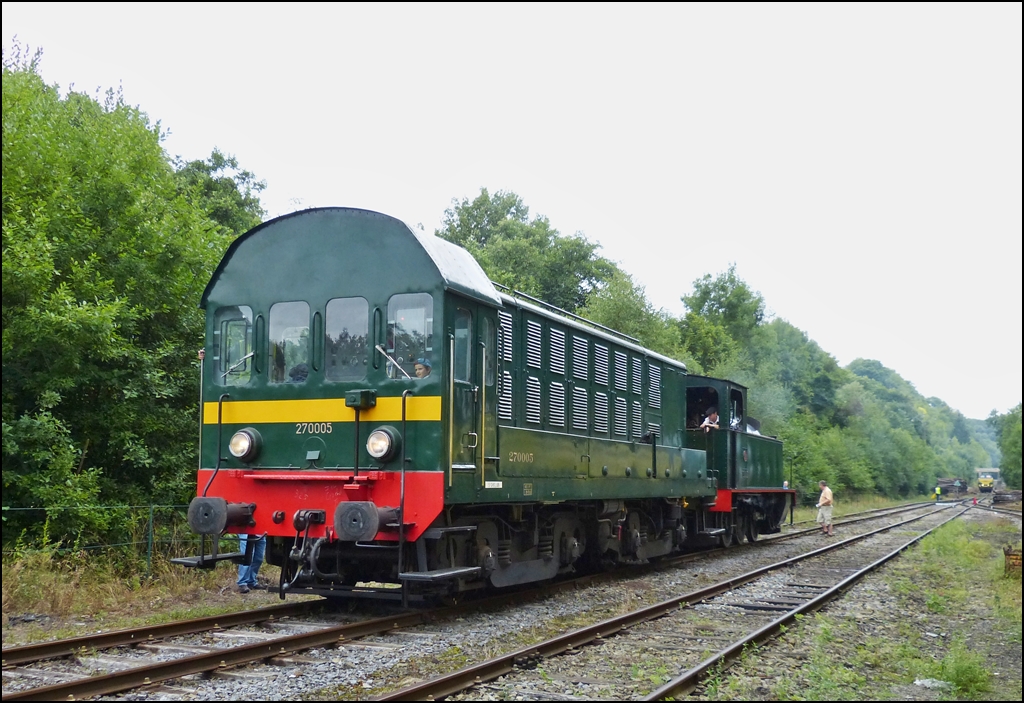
(422, 368)
(824, 507)
(298, 373)
(711, 421)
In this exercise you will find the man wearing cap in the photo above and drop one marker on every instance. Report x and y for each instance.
(711, 421)
(422, 368)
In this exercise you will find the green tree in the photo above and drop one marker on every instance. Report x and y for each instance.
(227, 194)
(706, 341)
(864, 427)
(1009, 428)
(728, 301)
(526, 255)
(622, 305)
(105, 255)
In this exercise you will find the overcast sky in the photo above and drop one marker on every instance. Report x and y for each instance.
(860, 164)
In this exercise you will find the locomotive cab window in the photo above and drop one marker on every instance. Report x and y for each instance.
(410, 339)
(489, 351)
(699, 402)
(462, 364)
(347, 326)
(232, 345)
(736, 411)
(289, 342)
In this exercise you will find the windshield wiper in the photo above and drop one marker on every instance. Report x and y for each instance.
(397, 365)
(238, 363)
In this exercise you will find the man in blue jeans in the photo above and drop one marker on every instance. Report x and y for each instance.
(247, 574)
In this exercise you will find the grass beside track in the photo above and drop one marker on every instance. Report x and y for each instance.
(46, 596)
(944, 611)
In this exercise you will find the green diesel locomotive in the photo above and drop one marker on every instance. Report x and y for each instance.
(383, 412)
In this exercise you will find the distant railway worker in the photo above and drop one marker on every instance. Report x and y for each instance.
(711, 421)
(422, 368)
(824, 507)
(938, 493)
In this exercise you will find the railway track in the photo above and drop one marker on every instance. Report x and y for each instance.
(743, 610)
(992, 509)
(268, 644)
(873, 511)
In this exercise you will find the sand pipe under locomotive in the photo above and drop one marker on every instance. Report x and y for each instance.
(386, 414)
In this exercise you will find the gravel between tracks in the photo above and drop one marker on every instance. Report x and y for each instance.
(373, 665)
(381, 663)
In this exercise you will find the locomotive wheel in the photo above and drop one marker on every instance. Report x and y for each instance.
(725, 540)
(752, 530)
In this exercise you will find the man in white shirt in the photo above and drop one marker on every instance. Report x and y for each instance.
(711, 421)
(825, 508)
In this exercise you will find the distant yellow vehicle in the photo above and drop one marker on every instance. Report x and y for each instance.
(987, 479)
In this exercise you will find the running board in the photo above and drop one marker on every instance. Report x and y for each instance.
(458, 572)
(207, 561)
(439, 532)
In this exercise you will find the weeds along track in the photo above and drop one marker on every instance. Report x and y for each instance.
(353, 649)
(681, 638)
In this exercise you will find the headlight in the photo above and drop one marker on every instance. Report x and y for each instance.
(245, 444)
(383, 443)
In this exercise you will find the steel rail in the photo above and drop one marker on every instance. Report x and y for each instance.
(499, 666)
(25, 654)
(1004, 511)
(686, 682)
(17, 656)
(218, 659)
(783, 536)
(895, 508)
(288, 644)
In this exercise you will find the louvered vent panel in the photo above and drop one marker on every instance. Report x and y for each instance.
(533, 400)
(556, 405)
(533, 344)
(580, 358)
(620, 371)
(638, 425)
(600, 412)
(505, 320)
(638, 368)
(654, 428)
(621, 419)
(557, 341)
(601, 364)
(579, 408)
(505, 399)
(654, 389)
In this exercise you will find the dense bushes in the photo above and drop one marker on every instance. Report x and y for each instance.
(106, 250)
